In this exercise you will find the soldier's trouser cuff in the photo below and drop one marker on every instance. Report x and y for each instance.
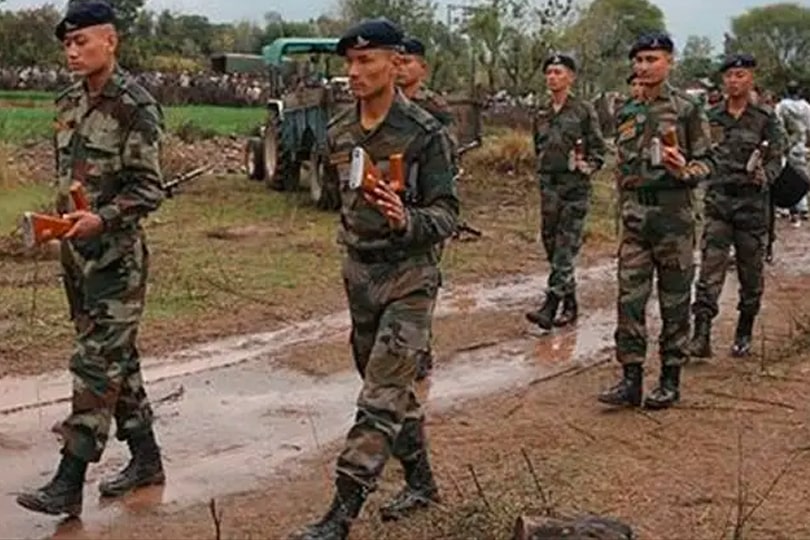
(81, 443)
(674, 361)
(629, 359)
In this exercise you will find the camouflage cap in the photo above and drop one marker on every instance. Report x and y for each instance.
(560, 60)
(741, 60)
(654, 41)
(84, 14)
(413, 46)
(379, 33)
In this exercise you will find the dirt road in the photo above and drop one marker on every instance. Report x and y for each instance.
(239, 423)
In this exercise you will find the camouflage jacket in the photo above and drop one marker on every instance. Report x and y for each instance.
(642, 121)
(735, 139)
(110, 144)
(434, 104)
(556, 133)
(431, 199)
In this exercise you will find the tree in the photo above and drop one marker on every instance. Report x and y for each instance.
(779, 36)
(26, 37)
(602, 37)
(697, 60)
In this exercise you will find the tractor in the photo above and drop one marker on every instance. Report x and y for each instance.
(290, 151)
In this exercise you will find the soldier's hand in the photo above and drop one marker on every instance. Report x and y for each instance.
(86, 225)
(673, 160)
(583, 167)
(389, 204)
(759, 176)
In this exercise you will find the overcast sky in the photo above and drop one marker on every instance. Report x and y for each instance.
(683, 17)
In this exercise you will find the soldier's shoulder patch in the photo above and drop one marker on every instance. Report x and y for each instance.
(70, 91)
(419, 116)
(763, 109)
(138, 93)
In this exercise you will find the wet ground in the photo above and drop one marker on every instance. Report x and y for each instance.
(229, 417)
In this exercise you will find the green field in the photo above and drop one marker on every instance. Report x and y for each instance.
(19, 124)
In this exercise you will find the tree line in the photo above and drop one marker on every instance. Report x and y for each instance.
(495, 44)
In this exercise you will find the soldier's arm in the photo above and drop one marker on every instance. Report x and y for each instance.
(700, 159)
(777, 147)
(140, 176)
(437, 217)
(594, 141)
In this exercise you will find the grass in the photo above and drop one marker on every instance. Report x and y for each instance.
(20, 124)
(26, 95)
(225, 245)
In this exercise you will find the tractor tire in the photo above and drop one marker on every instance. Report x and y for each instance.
(254, 159)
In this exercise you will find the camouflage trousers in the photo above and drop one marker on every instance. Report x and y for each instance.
(106, 299)
(657, 238)
(391, 305)
(740, 221)
(563, 209)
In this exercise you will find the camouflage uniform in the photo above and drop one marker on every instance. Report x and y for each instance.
(438, 108)
(435, 104)
(657, 237)
(736, 212)
(110, 145)
(564, 193)
(391, 281)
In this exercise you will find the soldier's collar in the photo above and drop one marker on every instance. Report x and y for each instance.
(112, 88)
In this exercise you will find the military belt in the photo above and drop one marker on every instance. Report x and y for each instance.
(738, 190)
(661, 197)
(386, 256)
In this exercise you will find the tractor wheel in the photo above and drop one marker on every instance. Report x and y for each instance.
(254, 159)
(323, 190)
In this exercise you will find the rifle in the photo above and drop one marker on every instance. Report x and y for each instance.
(181, 179)
(464, 227)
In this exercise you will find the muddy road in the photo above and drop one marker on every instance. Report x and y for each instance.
(232, 415)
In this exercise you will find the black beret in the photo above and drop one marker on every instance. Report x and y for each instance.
(81, 14)
(379, 33)
(738, 61)
(560, 60)
(654, 41)
(630, 78)
(413, 46)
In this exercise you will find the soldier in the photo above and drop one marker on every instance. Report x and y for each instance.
(411, 80)
(108, 131)
(569, 148)
(663, 151)
(636, 88)
(390, 273)
(748, 148)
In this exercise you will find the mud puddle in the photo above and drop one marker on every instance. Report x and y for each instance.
(223, 431)
(227, 418)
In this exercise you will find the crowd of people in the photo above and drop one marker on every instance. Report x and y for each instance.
(170, 88)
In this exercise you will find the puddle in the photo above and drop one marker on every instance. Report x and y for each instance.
(228, 417)
(224, 430)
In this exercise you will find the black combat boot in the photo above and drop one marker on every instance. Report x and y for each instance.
(701, 344)
(544, 317)
(420, 490)
(667, 393)
(424, 365)
(145, 468)
(346, 505)
(742, 336)
(627, 392)
(570, 311)
(63, 494)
